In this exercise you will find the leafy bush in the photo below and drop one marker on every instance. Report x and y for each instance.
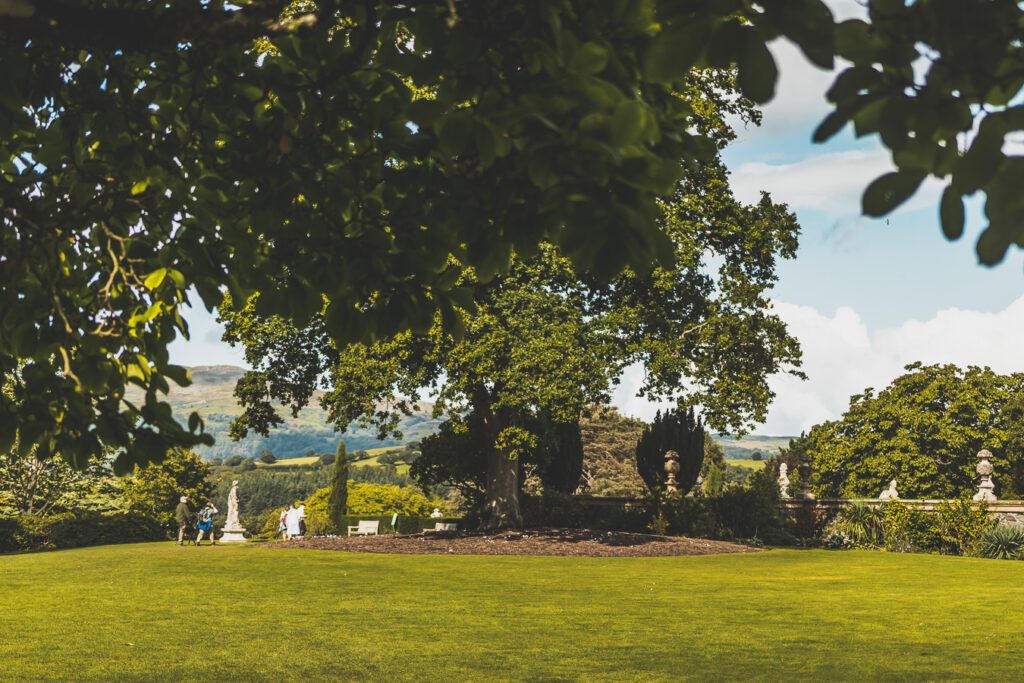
(862, 524)
(78, 529)
(907, 531)
(961, 524)
(1002, 543)
(738, 514)
(368, 499)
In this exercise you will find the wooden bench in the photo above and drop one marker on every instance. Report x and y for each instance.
(443, 526)
(365, 528)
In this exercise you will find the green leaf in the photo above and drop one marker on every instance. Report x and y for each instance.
(627, 122)
(832, 124)
(675, 50)
(154, 279)
(140, 187)
(757, 70)
(889, 191)
(951, 213)
(590, 59)
(992, 245)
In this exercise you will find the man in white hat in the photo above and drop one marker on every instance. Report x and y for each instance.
(182, 513)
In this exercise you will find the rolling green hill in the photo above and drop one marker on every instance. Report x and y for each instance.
(212, 396)
(744, 447)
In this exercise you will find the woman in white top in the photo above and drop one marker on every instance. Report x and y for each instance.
(292, 520)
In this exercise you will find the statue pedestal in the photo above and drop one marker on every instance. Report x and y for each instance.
(235, 535)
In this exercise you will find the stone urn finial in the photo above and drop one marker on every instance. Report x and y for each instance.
(986, 487)
(672, 468)
(805, 476)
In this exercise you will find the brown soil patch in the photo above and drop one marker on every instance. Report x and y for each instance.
(545, 541)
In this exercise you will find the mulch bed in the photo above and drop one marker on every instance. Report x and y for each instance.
(543, 541)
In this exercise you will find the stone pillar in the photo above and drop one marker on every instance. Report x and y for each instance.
(671, 468)
(805, 477)
(985, 469)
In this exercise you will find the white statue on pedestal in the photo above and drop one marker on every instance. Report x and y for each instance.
(784, 480)
(233, 530)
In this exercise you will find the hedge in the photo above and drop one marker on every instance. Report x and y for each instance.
(77, 529)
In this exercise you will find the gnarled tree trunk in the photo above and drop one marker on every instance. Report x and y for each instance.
(501, 498)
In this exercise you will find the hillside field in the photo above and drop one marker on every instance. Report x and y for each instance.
(211, 394)
(256, 613)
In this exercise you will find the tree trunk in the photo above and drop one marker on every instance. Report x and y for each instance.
(501, 497)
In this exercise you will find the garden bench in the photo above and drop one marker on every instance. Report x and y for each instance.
(443, 526)
(365, 528)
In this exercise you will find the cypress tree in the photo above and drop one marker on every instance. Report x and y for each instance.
(673, 431)
(337, 503)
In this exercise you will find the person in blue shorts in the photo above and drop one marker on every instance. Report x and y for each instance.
(206, 522)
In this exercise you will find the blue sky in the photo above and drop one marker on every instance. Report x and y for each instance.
(864, 296)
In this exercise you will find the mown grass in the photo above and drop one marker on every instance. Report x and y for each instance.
(746, 464)
(159, 612)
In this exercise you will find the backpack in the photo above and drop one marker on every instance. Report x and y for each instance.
(205, 515)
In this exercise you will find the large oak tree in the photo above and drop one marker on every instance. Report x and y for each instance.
(289, 148)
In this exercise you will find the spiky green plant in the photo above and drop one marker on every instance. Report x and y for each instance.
(862, 523)
(1002, 543)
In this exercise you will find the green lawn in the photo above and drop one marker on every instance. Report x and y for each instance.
(159, 612)
(746, 464)
(288, 462)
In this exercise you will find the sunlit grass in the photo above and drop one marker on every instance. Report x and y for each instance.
(160, 612)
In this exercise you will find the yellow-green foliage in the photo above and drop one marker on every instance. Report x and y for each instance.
(370, 499)
(318, 519)
(364, 499)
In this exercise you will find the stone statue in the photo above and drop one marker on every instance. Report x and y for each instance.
(784, 480)
(986, 487)
(890, 493)
(671, 468)
(233, 530)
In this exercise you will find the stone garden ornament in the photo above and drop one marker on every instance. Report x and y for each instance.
(672, 468)
(986, 487)
(784, 480)
(891, 493)
(233, 530)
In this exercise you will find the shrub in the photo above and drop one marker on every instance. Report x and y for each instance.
(906, 531)
(1002, 543)
(961, 524)
(738, 514)
(369, 499)
(233, 461)
(78, 529)
(862, 524)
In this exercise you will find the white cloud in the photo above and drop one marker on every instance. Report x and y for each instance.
(831, 182)
(842, 357)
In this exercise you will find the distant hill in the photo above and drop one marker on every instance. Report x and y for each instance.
(744, 447)
(212, 396)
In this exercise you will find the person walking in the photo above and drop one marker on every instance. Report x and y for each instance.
(283, 528)
(182, 514)
(206, 522)
(292, 520)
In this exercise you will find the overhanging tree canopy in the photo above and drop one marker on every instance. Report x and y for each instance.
(150, 148)
(289, 148)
